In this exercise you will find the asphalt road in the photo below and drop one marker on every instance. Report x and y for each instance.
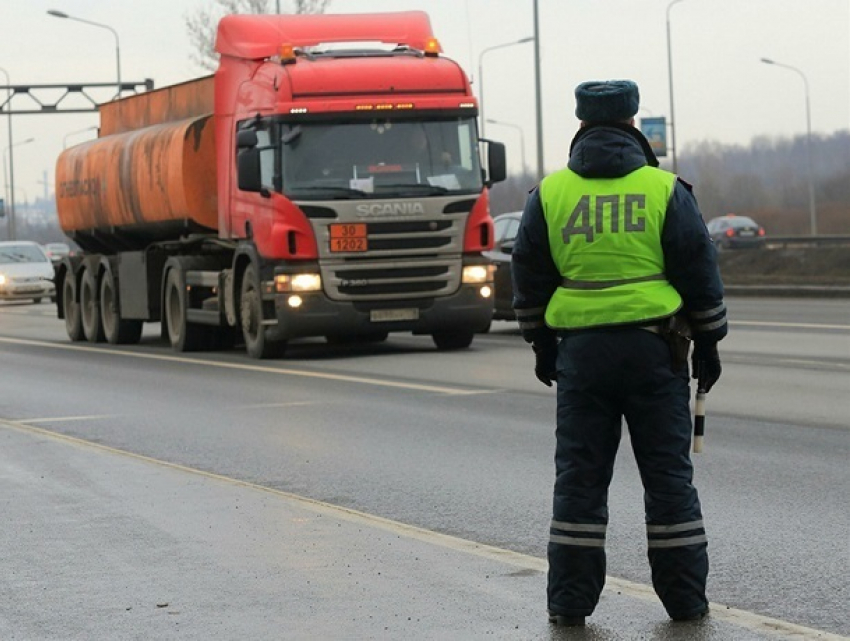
(461, 443)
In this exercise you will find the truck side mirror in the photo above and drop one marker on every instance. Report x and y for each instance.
(247, 138)
(497, 169)
(248, 168)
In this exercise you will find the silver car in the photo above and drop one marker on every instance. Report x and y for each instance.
(25, 272)
(57, 251)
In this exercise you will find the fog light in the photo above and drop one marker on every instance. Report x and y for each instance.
(474, 274)
(485, 291)
(294, 301)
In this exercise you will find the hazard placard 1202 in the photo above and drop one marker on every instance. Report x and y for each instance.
(348, 237)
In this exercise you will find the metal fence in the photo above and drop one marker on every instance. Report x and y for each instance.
(784, 242)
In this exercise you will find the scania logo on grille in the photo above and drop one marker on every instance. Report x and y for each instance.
(381, 210)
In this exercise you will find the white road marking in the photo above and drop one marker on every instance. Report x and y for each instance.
(775, 628)
(347, 378)
(63, 419)
(788, 325)
(259, 406)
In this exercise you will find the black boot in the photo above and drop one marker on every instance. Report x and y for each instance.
(566, 621)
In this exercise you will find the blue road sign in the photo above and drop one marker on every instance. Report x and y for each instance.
(655, 130)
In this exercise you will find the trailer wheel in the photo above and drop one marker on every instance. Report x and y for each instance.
(449, 340)
(90, 309)
(183, 336)
(71, 308)
(257, 344)
(117, 331)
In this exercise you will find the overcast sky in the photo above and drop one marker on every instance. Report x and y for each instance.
(722, 91)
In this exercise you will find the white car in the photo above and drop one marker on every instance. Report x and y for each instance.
(25, 272)
(57, 251)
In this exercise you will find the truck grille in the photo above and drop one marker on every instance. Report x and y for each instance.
(412, 253)
(392, 279)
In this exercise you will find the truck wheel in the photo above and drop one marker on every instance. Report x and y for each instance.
(116, 330)
(89, 307)
(70, 308)
(453, 340)
(183, 336)
(257, 344)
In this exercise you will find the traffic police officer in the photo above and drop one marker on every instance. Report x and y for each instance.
(609, 252)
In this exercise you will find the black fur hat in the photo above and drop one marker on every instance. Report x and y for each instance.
(607, 100)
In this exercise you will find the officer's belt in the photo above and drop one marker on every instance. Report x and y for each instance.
(569, 283)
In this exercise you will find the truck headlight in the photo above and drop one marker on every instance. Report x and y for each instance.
(477, 274)
(2, 279)
(298, 282)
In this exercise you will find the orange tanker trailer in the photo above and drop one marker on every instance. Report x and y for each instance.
(300, 191)
(151, 174)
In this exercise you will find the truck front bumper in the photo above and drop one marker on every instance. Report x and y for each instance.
(317, 315)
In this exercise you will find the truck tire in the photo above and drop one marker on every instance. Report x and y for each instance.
(450, 340)
(89, 307)
(183, 336)
(116, 330)
(257, 343)
(71, 308)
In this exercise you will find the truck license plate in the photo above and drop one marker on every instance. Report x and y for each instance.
(348, 237)
(385, 315)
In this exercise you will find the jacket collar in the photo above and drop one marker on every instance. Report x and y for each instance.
(609, 150)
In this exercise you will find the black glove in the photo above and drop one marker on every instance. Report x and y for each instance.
(545, 357)
(705, 364)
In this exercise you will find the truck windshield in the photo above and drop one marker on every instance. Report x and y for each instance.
(380, 158)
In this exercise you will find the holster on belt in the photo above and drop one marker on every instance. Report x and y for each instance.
(677, 332)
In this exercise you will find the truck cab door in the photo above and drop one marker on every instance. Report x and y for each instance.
(251, 204)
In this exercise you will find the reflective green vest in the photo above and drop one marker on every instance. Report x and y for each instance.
(605, 238)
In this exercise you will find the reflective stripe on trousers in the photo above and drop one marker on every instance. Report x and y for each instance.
(678, 535)
(584, 534)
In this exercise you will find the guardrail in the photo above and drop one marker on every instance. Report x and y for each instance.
(783, 242)
(788, 291)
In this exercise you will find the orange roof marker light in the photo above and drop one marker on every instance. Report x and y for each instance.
(432, 47)
(287, 54)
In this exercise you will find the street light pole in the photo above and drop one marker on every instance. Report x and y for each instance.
(673, 146)
(62, 14)
(73, 133)
(11, 223)
(538, 100)
(481, 73)
(521, 138)
(813, 218)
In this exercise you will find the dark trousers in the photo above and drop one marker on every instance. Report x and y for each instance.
(603, 377)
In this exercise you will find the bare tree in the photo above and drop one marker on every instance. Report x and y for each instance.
(201, 25)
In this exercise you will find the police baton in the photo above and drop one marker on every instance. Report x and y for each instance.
(699, 410)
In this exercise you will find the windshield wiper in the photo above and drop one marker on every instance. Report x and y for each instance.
(340, 192)
(428, 189)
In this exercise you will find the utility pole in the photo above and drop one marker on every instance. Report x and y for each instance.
(537, 93)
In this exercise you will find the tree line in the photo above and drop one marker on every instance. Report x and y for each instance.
(767, 180)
